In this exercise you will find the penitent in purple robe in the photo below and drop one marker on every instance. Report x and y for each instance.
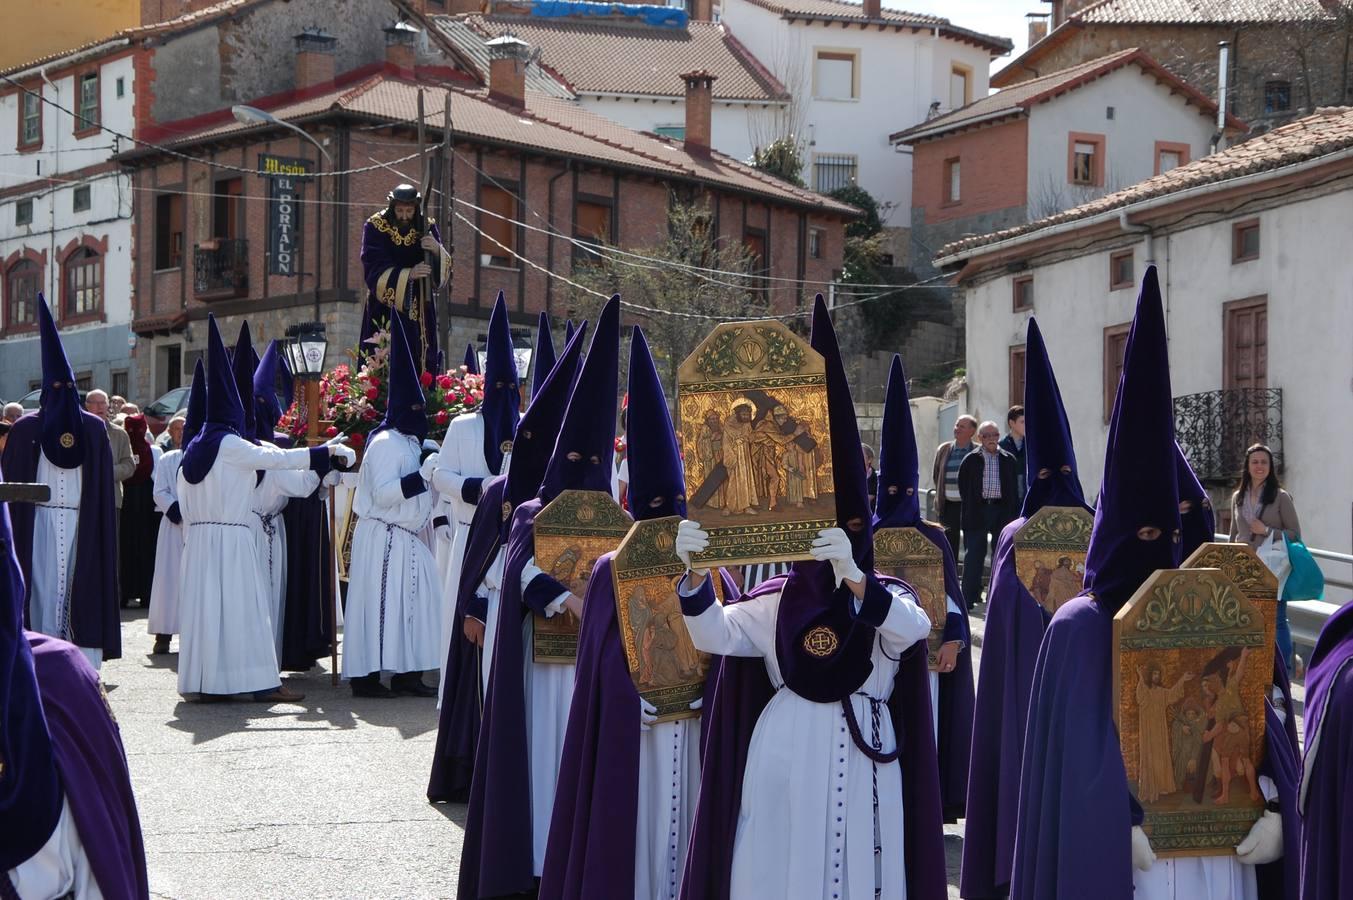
(1327, 780)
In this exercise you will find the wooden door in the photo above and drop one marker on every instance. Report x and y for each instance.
(1245, 356)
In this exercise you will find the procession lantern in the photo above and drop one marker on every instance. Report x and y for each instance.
(305, 355)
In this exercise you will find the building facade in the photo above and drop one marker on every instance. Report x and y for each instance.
(1250, 248)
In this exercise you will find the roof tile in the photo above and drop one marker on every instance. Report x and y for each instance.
(1200, 12)
(845, 11)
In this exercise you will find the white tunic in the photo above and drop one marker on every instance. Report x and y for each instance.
(461, 457)
(394, 597)
(806, 825)
(59, 868)
(226, 646)
(164, 587)
(669, 782)
(270, 534)
(492, 588)
(53, 564)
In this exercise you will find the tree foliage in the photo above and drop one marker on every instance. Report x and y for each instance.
(781, 158)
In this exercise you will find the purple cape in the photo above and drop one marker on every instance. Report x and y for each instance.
(734, 699)
(1327, 785)
(1015, 626)
(458, 722)
(306, 609)
(496, 855)
(95, 606)
(592, 831)
(1076, 810)
(93, 767)
(379, 253)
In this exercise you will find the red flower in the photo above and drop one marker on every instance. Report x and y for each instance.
(371, 393)
(444, 382)
(373, 381)
(356, 439)
(331, 431)
(425, 379)
(369, 415)
(443, 417)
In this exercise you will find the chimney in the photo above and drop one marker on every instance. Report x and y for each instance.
(508, 56)
(314, 58)
(699, 100)
(702, 10)
(1223, 93)
(1038, 27)
(873, 9)
(400, 41)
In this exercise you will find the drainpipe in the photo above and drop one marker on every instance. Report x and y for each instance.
(1223, 78)
(55, 267)
(1150, 241)
(549, 219)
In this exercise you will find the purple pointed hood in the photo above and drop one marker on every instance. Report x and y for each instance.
(62, 428)
(899, 504)
(543, 359)
(1197, 523)
(405, 409)
(471, 359)
(569, 328)
(1050, 458)
(849, 480)
(224, 412)
(196, 414)
(244, 361)
(30, 790)
(657, 485)
(539, 427)
(584, 454)
(267, 410)
(502, 398)
(1137, 525)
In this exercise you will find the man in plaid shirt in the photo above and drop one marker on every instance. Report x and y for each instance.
(988, 483)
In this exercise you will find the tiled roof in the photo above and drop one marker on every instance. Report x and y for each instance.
(844, 11)
(1200, 12)
(1023, 96)
(1328, 131)
(612, 57)
(469, 45)
(548, 125)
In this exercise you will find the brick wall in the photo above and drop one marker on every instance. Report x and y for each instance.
(994, 165)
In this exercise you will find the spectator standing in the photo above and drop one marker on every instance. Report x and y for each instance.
(871, 475)
(944, 473)
(1260, 509)
(987, 490)
(1013, 443)
(139, 522)
(12, 412)
(124, 462)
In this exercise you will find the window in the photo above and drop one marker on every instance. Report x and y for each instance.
(592, 223)
(117, 382)
(1017, 375)
(1245, 241)
(120, 87)
(225, 208)
(960, 86)
(953, 181)
(168, 231)
(1085, 159)
(754, 239)
(1115, 345)
(80, 199)
(89, 103)
(498, 241)
(83, 283)
(815, 243)
(675, 132)
(1277, 96)
(84, 381)
(1170, 155)
(1121, 274)
(23, 212)
(1022, 293)
(21, 295)
(834, 170)
(30, 120)
(836, 75)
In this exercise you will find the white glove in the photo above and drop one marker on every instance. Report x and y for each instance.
(430, 444)
(697, 703)
(831, 545)
(346, 454)
(1143, 857)
(648, 714)
(1264, 843)
(332, 477)
(690, 539)
(428, 465)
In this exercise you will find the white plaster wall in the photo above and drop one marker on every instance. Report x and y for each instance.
(61, 150)
(730, 123)
(1144, 112)
(897, 76)
(1306, 272)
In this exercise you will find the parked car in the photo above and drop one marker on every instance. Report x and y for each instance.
(162, 410)
(32, 399)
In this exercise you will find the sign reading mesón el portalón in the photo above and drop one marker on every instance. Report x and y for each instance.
(285, 177)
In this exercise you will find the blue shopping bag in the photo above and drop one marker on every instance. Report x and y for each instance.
(1306, 581)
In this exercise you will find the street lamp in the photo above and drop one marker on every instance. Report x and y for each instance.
(305, 352)
(252, 115)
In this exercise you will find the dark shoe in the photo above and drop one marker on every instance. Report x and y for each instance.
(212, 698)
(410, 684)
(370, 686)
(279, 694)
(161, 645)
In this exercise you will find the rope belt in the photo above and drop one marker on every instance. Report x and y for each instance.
(873, 750)
(270, 529)
(58, 506)
(390, 528)
(225, 524)
(391, 525)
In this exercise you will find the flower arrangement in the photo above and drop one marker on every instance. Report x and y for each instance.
(355, 401)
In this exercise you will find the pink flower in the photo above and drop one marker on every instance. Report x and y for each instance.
(371, 393)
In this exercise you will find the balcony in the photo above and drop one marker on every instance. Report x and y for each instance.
(1215, 427)
(221, 269)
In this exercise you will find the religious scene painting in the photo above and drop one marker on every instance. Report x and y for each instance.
(1191, 668)
(1243, 568)
(667, 670)
(1050, 554)
(346, 532)
(907, 554)
(571, 532)
(752, 404)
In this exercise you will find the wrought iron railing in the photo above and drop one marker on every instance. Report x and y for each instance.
(1215, 427)
(221, 268)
